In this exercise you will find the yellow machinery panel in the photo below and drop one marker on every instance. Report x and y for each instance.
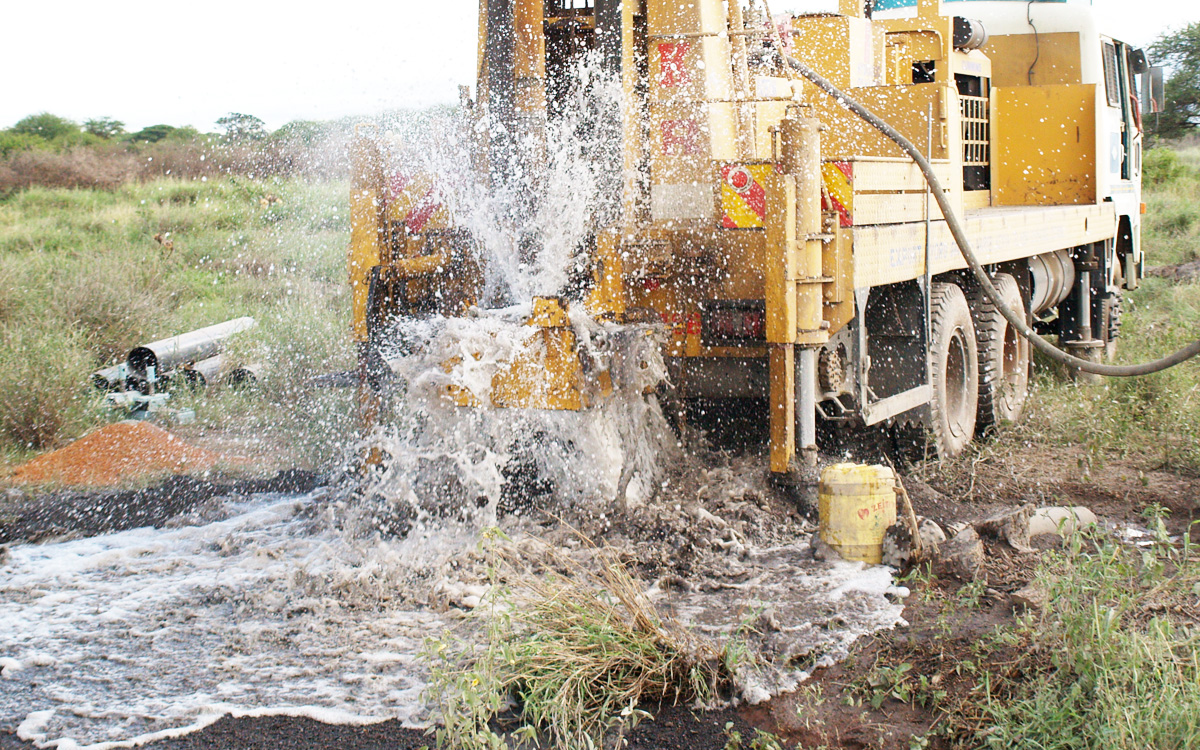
(1025, 60)
(693, 120)
(1044, 145)
(907, 108)
(847, 51)
(889, 253)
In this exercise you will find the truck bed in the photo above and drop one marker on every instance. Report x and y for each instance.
(889, 253)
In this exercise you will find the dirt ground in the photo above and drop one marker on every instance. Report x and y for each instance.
(834, 708)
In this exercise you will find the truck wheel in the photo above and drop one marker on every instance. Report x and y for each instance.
(954, 364)
(1003, 356)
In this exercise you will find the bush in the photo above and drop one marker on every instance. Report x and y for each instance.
(11, 142)
(577, 649)
(1161, 167)
(104, 127)
(153, 133)
(80, 168)
(43, 377)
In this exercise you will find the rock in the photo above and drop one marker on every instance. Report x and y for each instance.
(822, 551)
(1060, 520)
(897, 546)
(1009, 525)
(1032, 597)
(1178, 272)
(3, 555)
(932, 535)
(768, 621)
(898, 549)
(961, 557)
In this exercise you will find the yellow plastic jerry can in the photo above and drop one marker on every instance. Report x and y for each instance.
(856, 505)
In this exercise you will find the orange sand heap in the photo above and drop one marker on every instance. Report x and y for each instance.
(114, 454)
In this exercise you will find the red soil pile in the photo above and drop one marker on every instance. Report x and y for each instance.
(114, 454)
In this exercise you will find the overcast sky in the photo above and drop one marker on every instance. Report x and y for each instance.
(190, 63)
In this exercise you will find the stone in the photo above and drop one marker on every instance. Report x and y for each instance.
(898, 550)
(961, 556)
(1060, 520)
(932, 534)
(1032, 597)
(1010, 525)
(897, 546)
(822, 551)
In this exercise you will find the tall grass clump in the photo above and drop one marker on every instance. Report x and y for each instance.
(43, 379)
(1115, 660)
(1171, 229)
(573, 651)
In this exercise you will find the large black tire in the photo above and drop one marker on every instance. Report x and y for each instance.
(1004, 356)
(954, 363)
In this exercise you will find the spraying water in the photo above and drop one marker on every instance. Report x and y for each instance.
(530, 222)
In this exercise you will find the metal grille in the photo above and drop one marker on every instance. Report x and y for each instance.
(568, 5)
(976, 135)
(1112, 85)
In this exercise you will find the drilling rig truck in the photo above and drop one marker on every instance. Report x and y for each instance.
(794, 254)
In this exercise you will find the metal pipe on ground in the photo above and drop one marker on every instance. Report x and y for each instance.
(205, 372)
(169, 354)
(244, 375)
(110, 378)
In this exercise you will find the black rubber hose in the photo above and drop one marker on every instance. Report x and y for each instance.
(964, 246)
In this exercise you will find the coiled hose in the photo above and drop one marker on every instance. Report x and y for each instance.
(964, 246)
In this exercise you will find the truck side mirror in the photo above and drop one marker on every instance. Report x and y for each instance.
(1137, 61)
(1153, 97)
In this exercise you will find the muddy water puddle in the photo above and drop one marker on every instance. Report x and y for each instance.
(273, 609)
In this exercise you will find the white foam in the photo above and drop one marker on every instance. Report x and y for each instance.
(151, 631)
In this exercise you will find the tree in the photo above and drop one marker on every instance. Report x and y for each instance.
(153, 133)
(46, 126)
(239, 127)
(1180, 52)
(306, 132)
(104, 127)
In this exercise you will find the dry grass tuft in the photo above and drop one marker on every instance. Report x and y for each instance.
(574, 649)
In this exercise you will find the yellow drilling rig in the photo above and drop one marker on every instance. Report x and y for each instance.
(797, 256)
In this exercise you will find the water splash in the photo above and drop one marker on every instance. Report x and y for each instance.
(531, 223)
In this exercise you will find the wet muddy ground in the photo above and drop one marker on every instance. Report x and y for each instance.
(817, 714)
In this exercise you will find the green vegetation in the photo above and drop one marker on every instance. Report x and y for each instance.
(242, 127)
(1155, 419)
(1114, 661)
(576, 653)
(760, 741)
(83, 279)
(1111, 661)
(1180, 52)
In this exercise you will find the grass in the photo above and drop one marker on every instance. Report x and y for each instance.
(1153, 420)
(575, 652)
(1115, 659)
(83, 280)
(1112, 661)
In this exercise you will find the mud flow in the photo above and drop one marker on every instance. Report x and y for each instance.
(286, 604)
